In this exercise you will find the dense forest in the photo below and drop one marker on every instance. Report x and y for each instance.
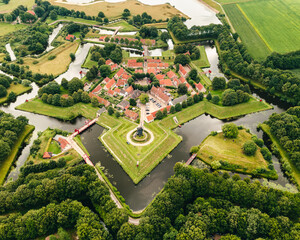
(10, 129)
(283, 61)
(235, 56)
(286, 128)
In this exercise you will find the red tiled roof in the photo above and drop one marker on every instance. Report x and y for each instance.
(102, 38)
(31, 12)
(199, 86)
(118, 90)
(171, 74)
(63, 143)
(182, 80)
(121, 82)
(166, 82)
(160, 76)
(182, 70)
(120, 72)
(47, 155)
(152, 70)
(110, 92)
(152, 65)
(129, 90)
(110, 84)
(97, 89)
(69, 37)
(139, 71)
(106, 79)
(162, 109)
(131, 114)
(150, 118)
(159, 93)
(109, 62)
(153, 60)
(113, 67)
(176, 82)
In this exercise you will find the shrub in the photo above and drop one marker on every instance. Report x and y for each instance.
(249, 148)
(230, 130)
(51, 57)
(194, 149)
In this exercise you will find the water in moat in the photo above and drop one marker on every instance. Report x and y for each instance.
(140, 195)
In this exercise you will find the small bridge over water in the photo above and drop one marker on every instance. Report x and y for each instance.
(191, 159)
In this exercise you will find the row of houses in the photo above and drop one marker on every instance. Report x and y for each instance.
(150, 42)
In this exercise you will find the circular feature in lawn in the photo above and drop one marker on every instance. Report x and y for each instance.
(144, 140)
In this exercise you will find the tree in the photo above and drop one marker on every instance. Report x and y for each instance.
(3, 91)
(218, 83)
(178, 107)
(72, 56)
(230, 130)
(101, 62)
(184, 104)
(208, 96)
(172, 110)
(101, 14)
(182, 89)
(116, 55)
(229, 97)
(110, 111)
(53, 15)
(193, 74)
(215, 99)
(85, 98)
(105, 71)
(94, 102)
(165, 36)
(182, 59)
(64, 83)
(74, 85)
(39, 11)
(144, 98)
(159, 115)
(194, 149)
(132, 102)
(6, 1)
(5, 150)
(249, 148)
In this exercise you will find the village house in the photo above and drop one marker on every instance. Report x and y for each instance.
(139, 71)
(182, 71)
(114, 67)
(158, 93)
(132, 63)
(106, 80)
(129, 90)
(166, 83)
(179, 100)
(100, 100)
(123, 105)
(110, 92)
(135, 94)
(199, 87)
(131, 114)
(160, 76)
(171, 74)
(47, 155)
(31, 12)
(110, 84)
(176, 82)
(119, 73)
(70, 37)
(102, 38)
(97, 89)
(162, 109)
(149, 118)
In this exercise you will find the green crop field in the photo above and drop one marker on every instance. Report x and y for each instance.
(230, 1)
(254, 43)
(278, 22)
(127, 155)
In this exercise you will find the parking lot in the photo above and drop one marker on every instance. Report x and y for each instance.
(154, 104)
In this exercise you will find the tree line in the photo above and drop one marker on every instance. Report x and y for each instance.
(10, 130)
(283, 61)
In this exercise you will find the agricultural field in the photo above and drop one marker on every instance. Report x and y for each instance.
(266, 26)
(114, 10)
(13, 4)
(56, 66)
(219, 148)
(127, 155)
(254, 43)
(6, 28)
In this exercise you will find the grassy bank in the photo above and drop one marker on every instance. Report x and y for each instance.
(68, 113)
(217, 111)
(218, 149)
(284, 157)
(56, 66)
(18, 89)
(77, 139)
(127, 155)
(125, 26)
(6, 164)
(88, 63)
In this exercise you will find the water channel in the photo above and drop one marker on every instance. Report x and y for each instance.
(139, 196)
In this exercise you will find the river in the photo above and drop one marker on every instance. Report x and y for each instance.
(140, 195)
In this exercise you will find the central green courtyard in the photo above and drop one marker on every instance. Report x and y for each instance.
(127, 155)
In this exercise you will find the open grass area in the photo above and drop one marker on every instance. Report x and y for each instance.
(125, 26)
(68, 113)
(6, 28)
(219, 112)
(56, 66)
(277, 21)
(115, 10)
(77, 20)
(161, 25)
(127, 155)
(13, 4)
(54, 147)
(256, 46)
(283, 154)
(220, 149)
(88, 63)
(202, 62)
(18, 89)
(6, 164)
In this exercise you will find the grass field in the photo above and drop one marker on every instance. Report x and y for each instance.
(6, 164)
(254, 43)
(6, 28)
(56, 66)
(125, 26)
(79, 20)
(115, 10)
(277, 21)
(219, 112)
(18, 89)
(13, 4)
(161, 25)
(219, 148)
(68, 113)
(88, 63)
(127, 155)
(282, 152)
(54, 147)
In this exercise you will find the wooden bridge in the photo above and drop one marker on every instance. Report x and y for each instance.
(191, 159)
(86, 126)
